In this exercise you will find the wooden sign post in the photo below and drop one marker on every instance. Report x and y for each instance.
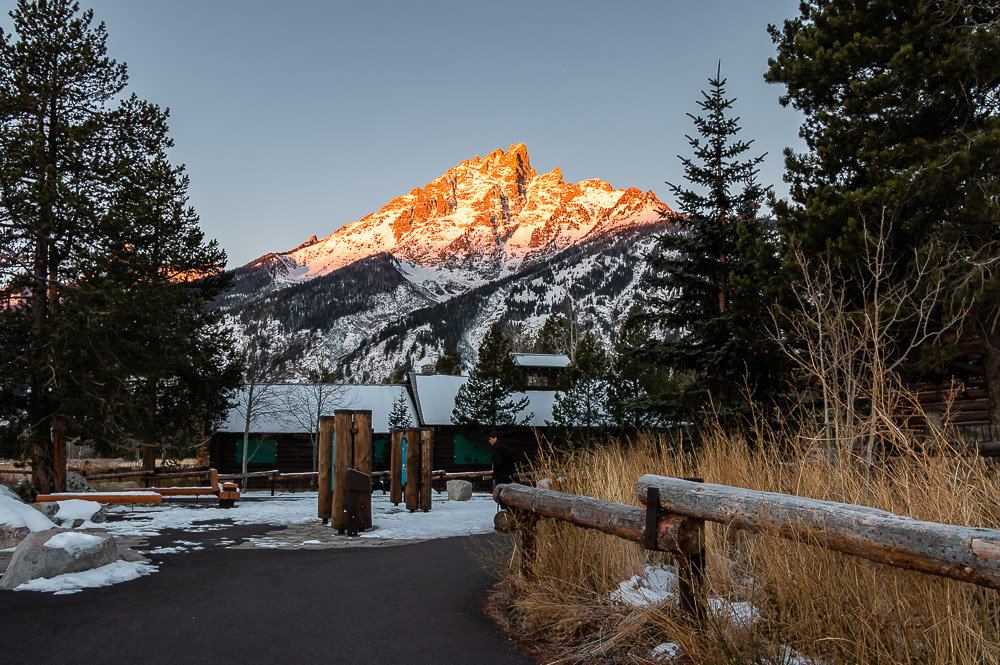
(343, 451)
(363, 440)
(412, 469)
(396, 468)
(426, 464)
(325, 464)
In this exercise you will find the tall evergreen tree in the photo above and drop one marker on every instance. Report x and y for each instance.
(450, 362)
(902, 129)
(710, 275)
(634, 385)
(399, 416)
(581, 405)
(105, 333)
(486, 401)
(554, 335)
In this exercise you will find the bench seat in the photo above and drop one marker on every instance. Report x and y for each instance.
(102, 497)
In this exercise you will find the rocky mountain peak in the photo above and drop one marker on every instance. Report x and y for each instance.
(485, 215)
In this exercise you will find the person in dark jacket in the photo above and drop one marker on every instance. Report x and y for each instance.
(503, 461)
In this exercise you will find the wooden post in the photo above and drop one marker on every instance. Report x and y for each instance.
(324, 487)
(343, 450)
(59, 458)
(426, 463)
(412, 469)
(396, 468)
(363, 438)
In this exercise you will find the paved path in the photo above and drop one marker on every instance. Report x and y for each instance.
(412, 604)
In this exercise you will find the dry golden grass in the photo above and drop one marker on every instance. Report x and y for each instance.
(828, 606)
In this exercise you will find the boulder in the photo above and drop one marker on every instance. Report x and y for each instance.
(73, 513)
(459, 490)
(17, 520)
(56, 552)
(77, 483)
(8, 492)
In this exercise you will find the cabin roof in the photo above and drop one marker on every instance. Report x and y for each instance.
(557, 360)
(278, 418)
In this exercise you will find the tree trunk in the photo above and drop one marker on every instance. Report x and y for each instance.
(991, 367)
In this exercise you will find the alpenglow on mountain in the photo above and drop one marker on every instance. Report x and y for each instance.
(489, 240)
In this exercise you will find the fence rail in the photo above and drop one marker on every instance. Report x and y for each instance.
(676, 509)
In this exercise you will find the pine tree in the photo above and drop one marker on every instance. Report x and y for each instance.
(486, 401)
(581, 405)
(633, 384)
(553, 337)
(109, 337)
(901, 129)
(450, 362)
(399, 416)
(709, 277)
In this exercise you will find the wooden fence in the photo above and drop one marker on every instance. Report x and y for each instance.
(676, 510)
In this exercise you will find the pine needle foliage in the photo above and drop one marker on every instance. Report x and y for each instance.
(486, 401)
(710, 275)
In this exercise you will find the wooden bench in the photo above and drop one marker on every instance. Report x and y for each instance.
(144, 496)
(227, 492)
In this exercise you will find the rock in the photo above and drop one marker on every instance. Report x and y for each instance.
(8, 492)
(11, 536)
(77, 483)
(17, 520)
(73, 513)
(459, 490)
(56, 552)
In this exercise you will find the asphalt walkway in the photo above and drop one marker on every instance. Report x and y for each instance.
(412, 604)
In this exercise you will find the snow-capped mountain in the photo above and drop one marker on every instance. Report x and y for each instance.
(490, 239)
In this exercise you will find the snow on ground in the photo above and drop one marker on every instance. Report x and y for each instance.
(78, 509)
(446, 518)
(113, 573)
(666, 652)
(151, 519)
(658, 585)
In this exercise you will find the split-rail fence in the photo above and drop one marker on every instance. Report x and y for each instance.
(675, 511)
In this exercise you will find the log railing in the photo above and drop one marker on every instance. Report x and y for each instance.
(675, 512)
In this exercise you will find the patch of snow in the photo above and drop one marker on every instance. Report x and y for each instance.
(445, 520)
(658, 585)
(78, 509)
(666, 652)
(15, 514)
(75, 543)
(741, 614)
(113, 573)
(312, 542)
(150, 520)
(789, 656)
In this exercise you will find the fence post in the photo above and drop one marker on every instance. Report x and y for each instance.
(412, 469)
(325, 462)
(426, 464)
(363, 461)
(690, 561)
(343, 449)
(396, 468)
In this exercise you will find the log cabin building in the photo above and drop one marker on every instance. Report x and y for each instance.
(279, 440)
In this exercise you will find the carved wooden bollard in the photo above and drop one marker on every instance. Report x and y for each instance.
(352, 442)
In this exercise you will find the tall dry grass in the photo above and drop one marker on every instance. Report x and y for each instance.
(830, 607)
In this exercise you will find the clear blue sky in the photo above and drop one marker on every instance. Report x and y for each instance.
(295, 118)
